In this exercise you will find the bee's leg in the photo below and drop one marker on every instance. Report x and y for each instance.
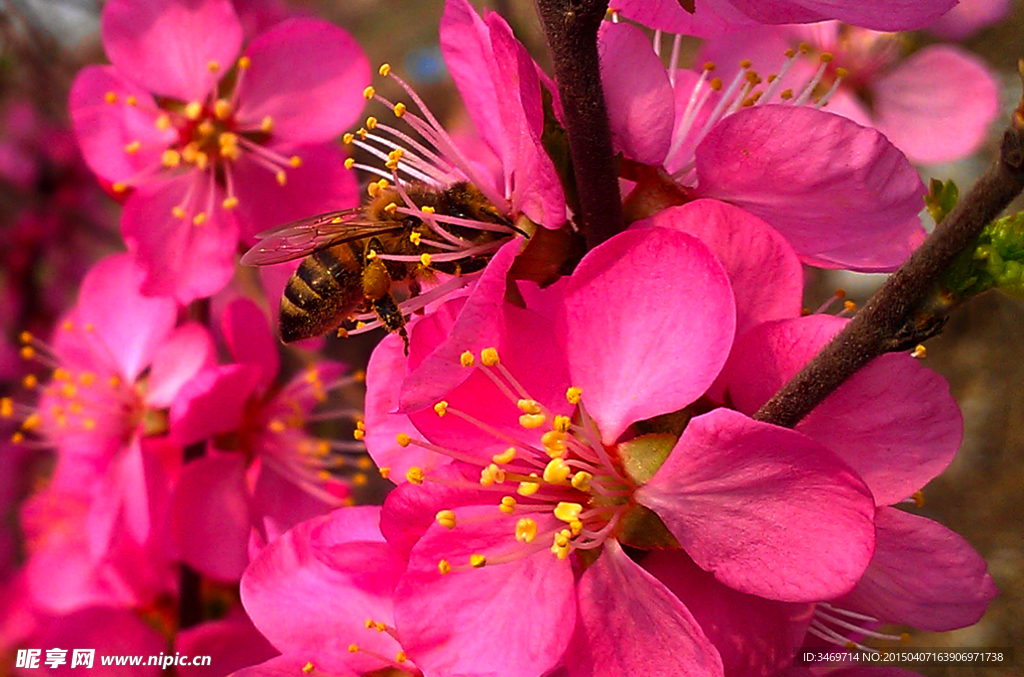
(390, 315)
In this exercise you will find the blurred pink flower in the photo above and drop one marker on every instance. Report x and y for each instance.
(969, 17)
(935, 104)
(323, 594)
(214, 147)
(841, 194)
(509, 422)
(265, 469)
(716, 17)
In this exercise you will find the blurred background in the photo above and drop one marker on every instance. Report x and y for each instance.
(55, 221)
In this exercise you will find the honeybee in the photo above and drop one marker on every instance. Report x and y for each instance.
(348, 267)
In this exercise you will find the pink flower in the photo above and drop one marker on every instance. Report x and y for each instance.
(935, 105)
(544, 428)
(265, 470)
(214, 147)
(323, 594)
(715, 17)
(968, 17)
(840, 193)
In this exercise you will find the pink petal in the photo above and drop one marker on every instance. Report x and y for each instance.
(181, 356)
(213, 402)
(382, 425)
(764, 271)
(180, 259)
(166, 46)
(234, 641)
(766, 510)
(968, 17)
(649, 320)
(437, 341)
(249, 339)
(308, 75)
(291, 664)
(894, 421)
(211, 518)
(104, 130)
(278, 503)
(111, 632)
(518, 615)
(937, 105)
(320, 184)
(922, 575)
(641, 103)
(133, 329)
(754, 636)
(879, 15)
(312, 589)
(629, 623)
(840, 193)
(712, 17)
(409, 510)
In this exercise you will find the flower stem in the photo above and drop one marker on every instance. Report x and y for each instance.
(571, 30)
(905, 310)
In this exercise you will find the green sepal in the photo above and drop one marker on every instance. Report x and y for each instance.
(995, 260)
(941, 198)
(642, 456)
(641, 528)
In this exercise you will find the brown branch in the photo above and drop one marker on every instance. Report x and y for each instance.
(571, 30)
(902, 312)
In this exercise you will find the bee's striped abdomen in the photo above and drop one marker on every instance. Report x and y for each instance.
(326, 288)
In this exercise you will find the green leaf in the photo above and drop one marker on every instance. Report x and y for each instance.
(996, 260)
(941, 198)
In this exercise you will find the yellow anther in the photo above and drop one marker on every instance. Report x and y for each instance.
(369, 92)
(391, 164)
(477, 561)
(267, 124)
(61, 374)
(709, 66)
(368, 623)
(528, 488)
(385, 472)
(415, 475)
(348, 138)
(400, 109)
(163, 122)
(904, 637)
(119, 187)
(68, 390)
(244, 62)
(222, 109)
(745, 63)
(362, 133)
(492, 474)
(403, 439)
(32, 422)
(18, 437)
(415, 237)
(425, 259)
(25, 337)
(489, 356)
(581, 480)
(504, 457)
(206, 128)
(575, 527)
(528, 406)
(849, 306)
(67, 325)
(507, 505)
(568, 512)
(790, 53)
(114, 381)
(715, 84)
(229, 202)
(359, 479)
(193, 110)
(786, 94)
(371, 255)
(918, 498)
(383, 183)
(133, 147)
(560, 548)
(532, 421)
(170, 158)
(444, 567)
(392, 208)
(371, 122)
(308, 668)
(441, 408)
(804, 47)
(562, 423)
(89, 424)
(826, 57)
(212, 66)
(281, 178)
(556, 471)
(353, 648)
(295, 161)
(919, 351)
(87, 378)
(554, 443)
(526, 530)
(446, 518)
(373, 190)
(466, 359)
(842, 72)
(89, 326)
(573, 395)
(277, 426)
(27, 352)
(6, 407)
(384, 70)
(349, 162)
(110, 97)
(400, 657)
(427, 209)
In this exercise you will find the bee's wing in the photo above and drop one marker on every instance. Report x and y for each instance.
(301, 238)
